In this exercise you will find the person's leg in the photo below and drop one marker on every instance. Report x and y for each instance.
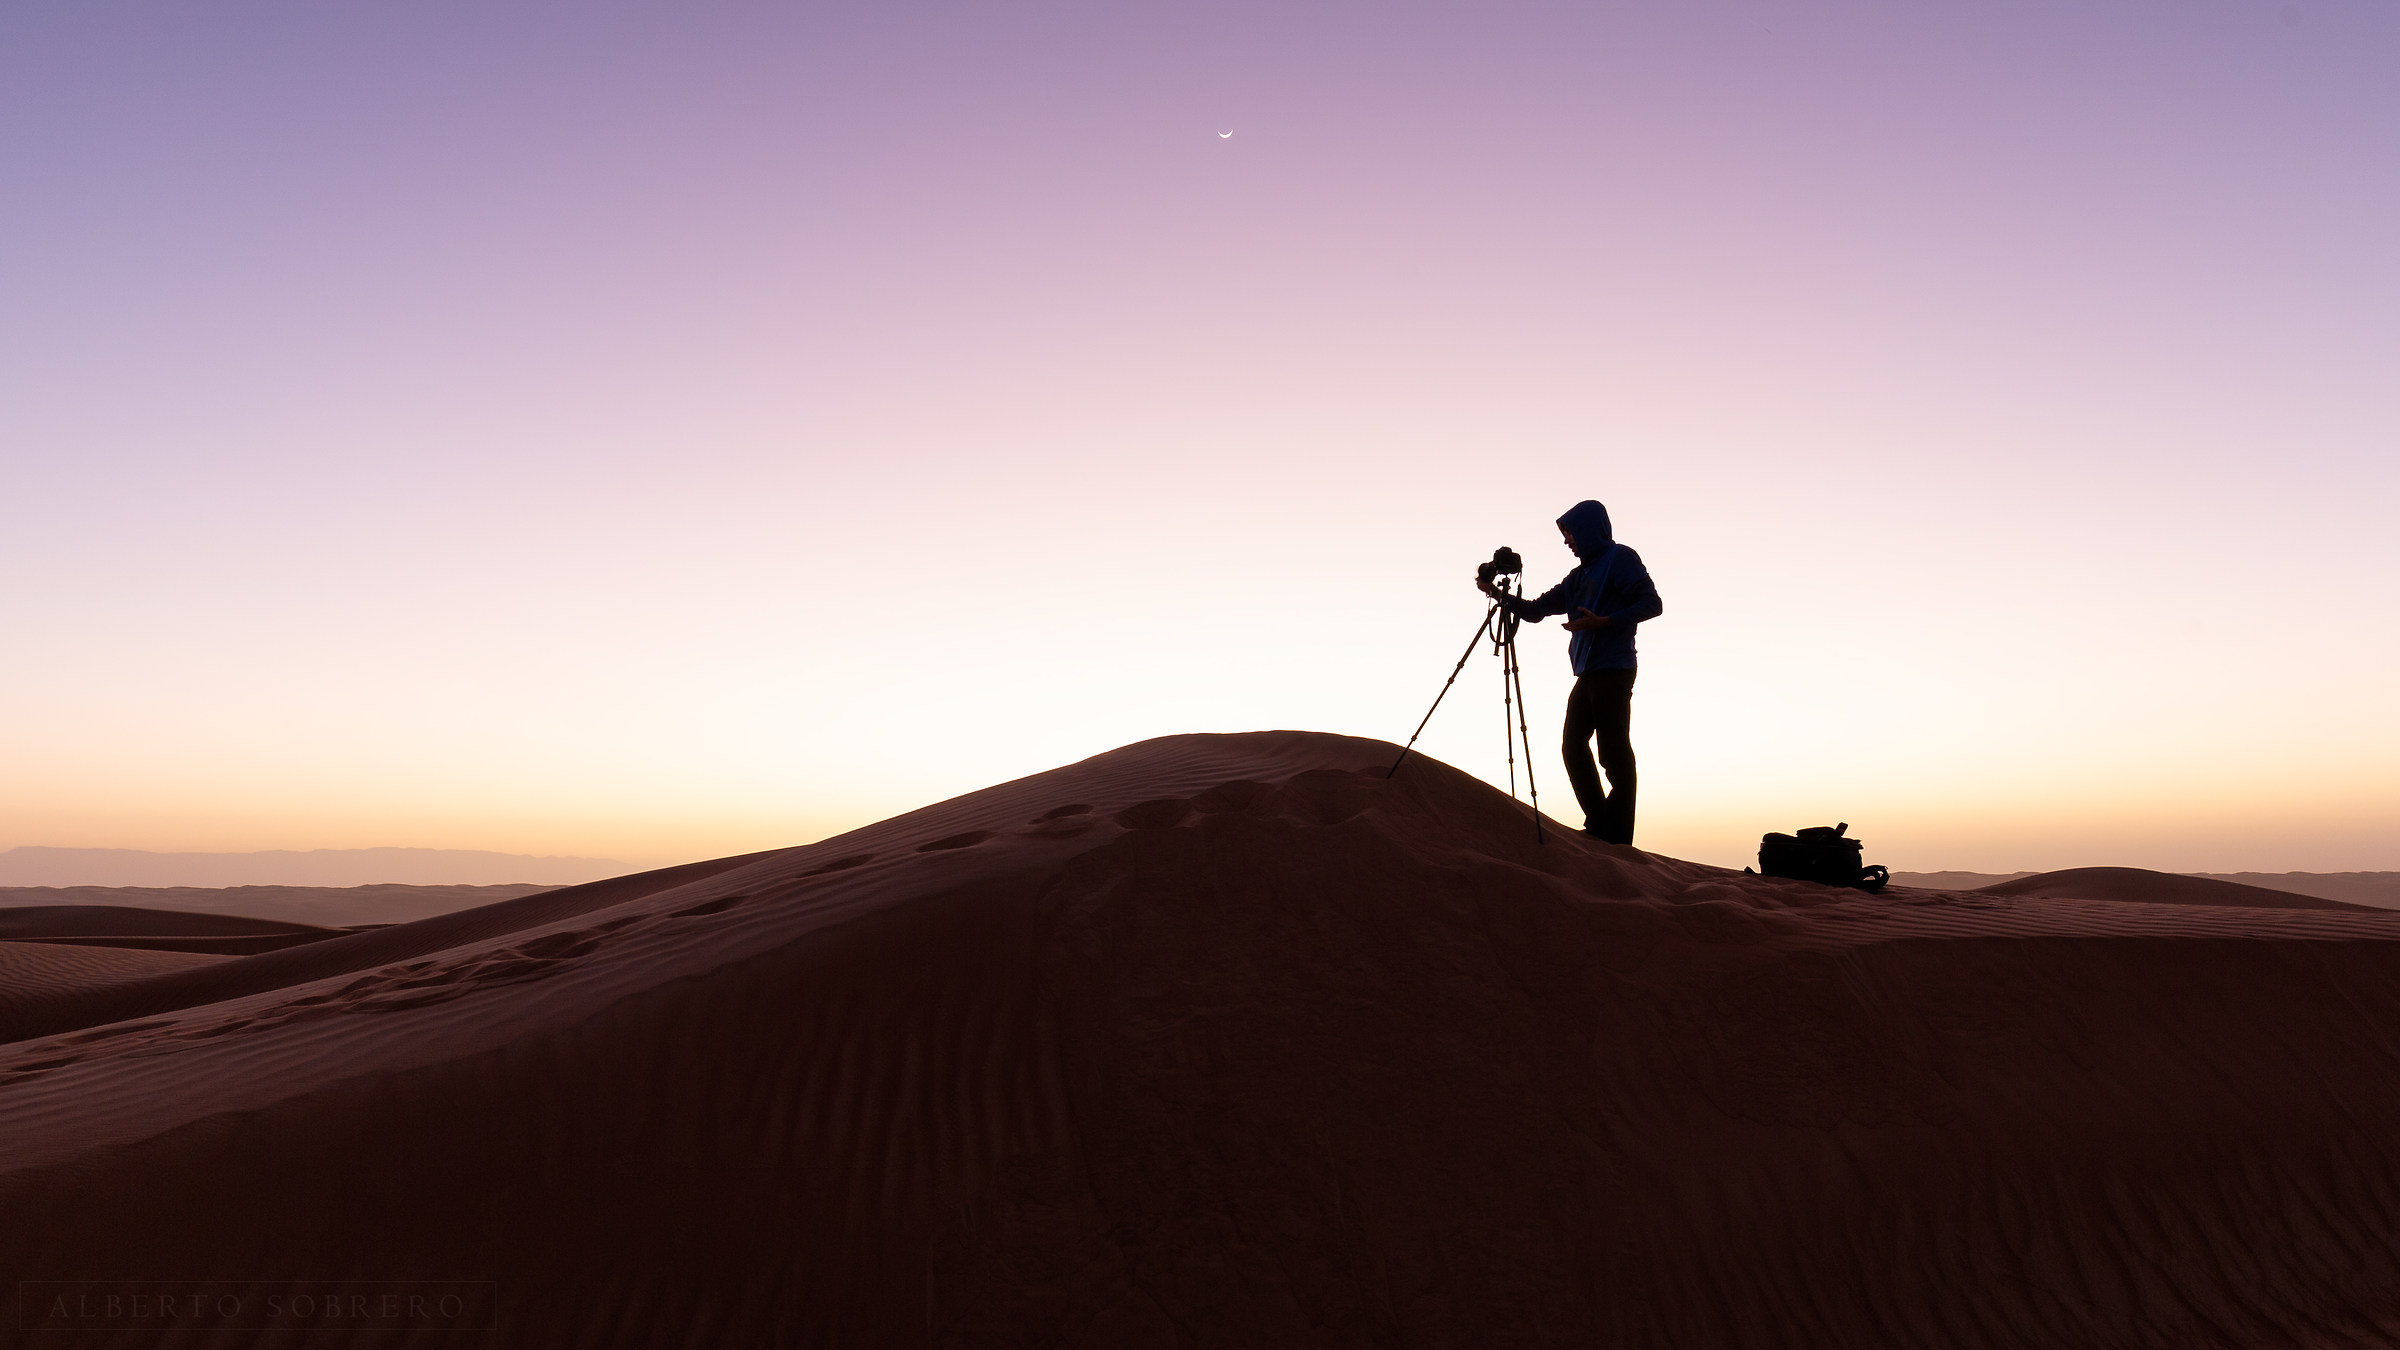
(1611, 713)
(1577, 748)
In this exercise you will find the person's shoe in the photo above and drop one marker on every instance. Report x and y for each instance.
(1595, 832)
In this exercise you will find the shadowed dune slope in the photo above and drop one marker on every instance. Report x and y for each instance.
(33, 973)
(1227, 1041)
(2157, 888)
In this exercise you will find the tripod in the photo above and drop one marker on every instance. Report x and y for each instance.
(1500, 625)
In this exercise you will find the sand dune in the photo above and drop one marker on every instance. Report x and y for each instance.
(1224, 1040)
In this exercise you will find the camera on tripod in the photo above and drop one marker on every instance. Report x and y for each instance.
(1504, 563)
(1499, 626)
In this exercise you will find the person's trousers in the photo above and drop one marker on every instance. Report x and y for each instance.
(1601, 706)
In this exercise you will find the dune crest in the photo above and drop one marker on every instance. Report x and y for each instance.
(1228, 1040)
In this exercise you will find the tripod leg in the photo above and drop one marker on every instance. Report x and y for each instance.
(1530, 790)
(1508, 737)
(1437, 698)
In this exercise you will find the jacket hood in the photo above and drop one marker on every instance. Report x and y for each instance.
(1588, 522)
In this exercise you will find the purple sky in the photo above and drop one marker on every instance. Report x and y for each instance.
(660, 433)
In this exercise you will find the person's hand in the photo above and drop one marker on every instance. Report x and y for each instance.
(1484, 584)
(1584, 619)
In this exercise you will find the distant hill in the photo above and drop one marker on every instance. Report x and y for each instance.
(285, 867)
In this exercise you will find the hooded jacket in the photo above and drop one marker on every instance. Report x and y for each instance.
(1610, 581)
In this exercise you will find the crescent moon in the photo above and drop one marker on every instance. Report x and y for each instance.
(1223, 135)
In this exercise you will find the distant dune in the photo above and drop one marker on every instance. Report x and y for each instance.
(1227, 1040)
(1954, 881)
(317, 906)
(316, 867)
(2157, 888)
(153, 929)
(2378, 890)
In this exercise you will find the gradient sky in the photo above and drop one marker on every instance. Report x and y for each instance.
(659, 432)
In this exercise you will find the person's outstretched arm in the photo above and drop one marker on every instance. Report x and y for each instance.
(1532, 609)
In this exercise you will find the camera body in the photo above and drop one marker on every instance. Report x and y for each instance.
(1505, 562)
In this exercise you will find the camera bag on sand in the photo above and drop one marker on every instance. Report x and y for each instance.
(1819, 853)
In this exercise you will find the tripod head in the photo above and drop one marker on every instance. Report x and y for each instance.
(1505, 563)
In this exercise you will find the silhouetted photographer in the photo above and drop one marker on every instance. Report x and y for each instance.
(1608, 595)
